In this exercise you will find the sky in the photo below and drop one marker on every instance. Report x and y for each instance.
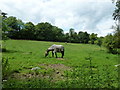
(93, 16)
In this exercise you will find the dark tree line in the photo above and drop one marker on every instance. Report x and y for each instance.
(16, 29)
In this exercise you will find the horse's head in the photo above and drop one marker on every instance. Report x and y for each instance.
(46, 53)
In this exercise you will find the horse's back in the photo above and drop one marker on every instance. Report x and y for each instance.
(57, 48)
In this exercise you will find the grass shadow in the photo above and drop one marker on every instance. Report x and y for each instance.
(3, 50)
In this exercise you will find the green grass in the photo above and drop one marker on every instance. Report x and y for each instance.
(23, 55)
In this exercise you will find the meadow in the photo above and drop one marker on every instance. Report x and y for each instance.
(83, 66)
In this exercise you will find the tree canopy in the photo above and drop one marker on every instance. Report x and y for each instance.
(16, 29)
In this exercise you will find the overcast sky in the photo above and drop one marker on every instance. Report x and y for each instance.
(93, 16)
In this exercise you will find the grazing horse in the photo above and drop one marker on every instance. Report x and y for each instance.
(55, 48)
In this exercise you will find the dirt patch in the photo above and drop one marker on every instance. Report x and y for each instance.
(59, 69)
(60, 59)
(59, 66)
(25, 76)
(56, 66)
(56, 74)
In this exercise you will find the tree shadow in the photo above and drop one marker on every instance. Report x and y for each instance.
(3, 50)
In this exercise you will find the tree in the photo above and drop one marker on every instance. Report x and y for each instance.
(43, 31)
(67, 37)
(4, 30)
(71, 34)
(116, 17)
(4, 15)
(75, 37)
(112, 42)
(109, 43)
(4, 26)
(80, 36)
(86, 37)
(27, 32)
(117, 37)
(83, 37)
(13, 30)
(99, 41)
(12, 22)
(93, 37)
(116, 14)
(57, 34)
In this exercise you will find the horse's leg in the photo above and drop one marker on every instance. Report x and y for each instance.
(62, 52)
(52, 54)
(56, 54)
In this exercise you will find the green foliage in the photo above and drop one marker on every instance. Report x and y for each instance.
(27, 32)
(28, 83)
(4, 26)
(99, 41)
(45, 31)
(93, 37)
(117, 37)
(116, 13)
(83, 37)
(5, 68)
(15, 29)
(89, 77)
(73, 36)
(112, 42)
(109, 43)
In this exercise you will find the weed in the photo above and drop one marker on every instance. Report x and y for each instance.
(5, 68)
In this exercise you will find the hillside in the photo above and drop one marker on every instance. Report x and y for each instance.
(84, 65)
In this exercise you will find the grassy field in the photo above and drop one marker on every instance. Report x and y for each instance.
(83, 66)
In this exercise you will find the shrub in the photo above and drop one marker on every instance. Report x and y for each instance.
(109, 43)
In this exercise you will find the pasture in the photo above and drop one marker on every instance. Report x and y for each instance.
(83, 66)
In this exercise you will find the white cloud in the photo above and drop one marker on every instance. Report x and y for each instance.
(85, 15)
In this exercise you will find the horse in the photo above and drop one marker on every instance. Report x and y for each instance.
(55, 48)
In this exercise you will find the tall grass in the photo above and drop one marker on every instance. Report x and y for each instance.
(5, 68)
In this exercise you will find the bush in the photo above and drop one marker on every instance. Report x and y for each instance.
(110, 44)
